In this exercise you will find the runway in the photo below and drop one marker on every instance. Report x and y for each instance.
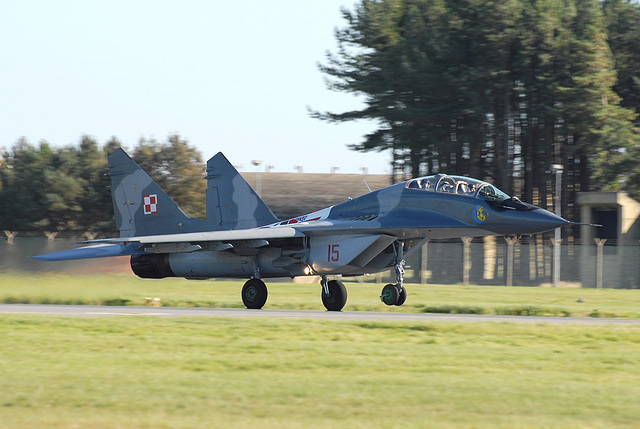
(107, 311)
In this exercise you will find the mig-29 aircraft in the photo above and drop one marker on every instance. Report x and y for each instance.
(242, 238)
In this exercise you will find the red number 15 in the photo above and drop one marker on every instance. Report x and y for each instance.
(333, 253)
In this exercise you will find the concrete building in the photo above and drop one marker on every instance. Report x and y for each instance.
(618, 214)
(610, 254)
(294, 194)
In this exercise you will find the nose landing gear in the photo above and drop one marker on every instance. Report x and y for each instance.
(396, 294)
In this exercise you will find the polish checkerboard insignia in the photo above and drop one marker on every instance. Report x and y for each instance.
(150, 204)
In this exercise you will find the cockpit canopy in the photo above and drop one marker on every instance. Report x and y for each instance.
(458, 185)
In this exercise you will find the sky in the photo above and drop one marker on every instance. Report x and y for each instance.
(228, 76)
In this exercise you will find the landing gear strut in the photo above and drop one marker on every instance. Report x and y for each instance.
(396, 294)
(334, 294)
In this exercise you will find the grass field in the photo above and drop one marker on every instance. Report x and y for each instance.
(145, 372)
(130, 290)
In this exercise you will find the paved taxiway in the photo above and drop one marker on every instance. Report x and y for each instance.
(98, 311)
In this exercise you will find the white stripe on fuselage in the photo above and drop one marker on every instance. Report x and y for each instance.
(311, 217)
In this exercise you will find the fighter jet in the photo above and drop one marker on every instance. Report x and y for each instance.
(242, 238)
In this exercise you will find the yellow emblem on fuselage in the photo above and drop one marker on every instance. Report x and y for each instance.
(479, 215)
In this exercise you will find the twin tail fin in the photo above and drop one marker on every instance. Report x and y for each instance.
(142, 208)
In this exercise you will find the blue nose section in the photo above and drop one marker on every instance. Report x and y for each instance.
(516, 222)
(543, 220)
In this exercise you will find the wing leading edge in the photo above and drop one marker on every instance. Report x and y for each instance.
(94, 251)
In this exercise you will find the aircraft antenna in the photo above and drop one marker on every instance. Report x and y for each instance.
(365, 182)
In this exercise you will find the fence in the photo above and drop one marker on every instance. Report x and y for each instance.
(529, 263)
(489, 261)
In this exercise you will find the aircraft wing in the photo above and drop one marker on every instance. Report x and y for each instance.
(196, 237)
(169, 243)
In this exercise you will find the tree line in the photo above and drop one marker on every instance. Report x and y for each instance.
(68, 189)
(498, 90)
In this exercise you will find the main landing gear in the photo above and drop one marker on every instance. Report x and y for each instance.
(254, 294)
(396, 294)
(254, 291)
(334, 294)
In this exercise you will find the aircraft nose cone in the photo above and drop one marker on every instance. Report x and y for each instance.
(532, 221)
(541, 220)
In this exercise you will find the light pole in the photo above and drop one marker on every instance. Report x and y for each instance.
(257, 163)
(558, 168)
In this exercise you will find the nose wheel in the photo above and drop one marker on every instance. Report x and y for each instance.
(393, 295)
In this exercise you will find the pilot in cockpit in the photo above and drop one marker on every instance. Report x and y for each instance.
(465, 188)
(426, 184)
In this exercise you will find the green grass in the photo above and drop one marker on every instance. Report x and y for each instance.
(145, 372)
(130, 290)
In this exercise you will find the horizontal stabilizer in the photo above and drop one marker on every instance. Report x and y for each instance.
(95, 251)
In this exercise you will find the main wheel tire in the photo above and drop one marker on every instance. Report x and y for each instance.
(390, 294)
(402, 297)
(337, 296)
(254, 294)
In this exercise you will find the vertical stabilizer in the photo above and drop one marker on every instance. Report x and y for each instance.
(141, 206)
(231, 202)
